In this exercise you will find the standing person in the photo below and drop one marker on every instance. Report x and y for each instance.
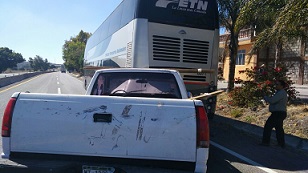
(278, 109)
(99, 89)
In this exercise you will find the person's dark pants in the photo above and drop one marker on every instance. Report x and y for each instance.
(274, 121)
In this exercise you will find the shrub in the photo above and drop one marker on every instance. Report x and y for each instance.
(260, 82)
(235, 113)
(250, 119)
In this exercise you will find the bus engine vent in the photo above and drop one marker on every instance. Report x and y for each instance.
(195, 51)
(166, 48)
(194, 78)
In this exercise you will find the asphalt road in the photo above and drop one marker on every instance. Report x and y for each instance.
(231, 151)
(251, 155)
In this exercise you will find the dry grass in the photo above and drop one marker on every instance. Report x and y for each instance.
(295, 124)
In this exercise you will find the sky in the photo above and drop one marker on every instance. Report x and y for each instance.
(41, 27)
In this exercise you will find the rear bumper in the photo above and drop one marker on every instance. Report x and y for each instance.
(5, 147)
(202, 157)
(30, 162)
(60, 167)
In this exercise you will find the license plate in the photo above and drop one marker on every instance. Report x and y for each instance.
(97, 169)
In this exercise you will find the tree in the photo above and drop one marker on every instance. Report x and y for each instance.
(293, 19)
(37, 63)
(276, 21)
(292, 22)
(229, 11)
(73, 51)
(9, 58)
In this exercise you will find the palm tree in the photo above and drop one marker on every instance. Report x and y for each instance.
(229, 11)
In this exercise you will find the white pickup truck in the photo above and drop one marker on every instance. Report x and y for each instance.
(140, 117)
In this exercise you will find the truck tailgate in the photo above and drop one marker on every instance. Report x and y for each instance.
(121, 127)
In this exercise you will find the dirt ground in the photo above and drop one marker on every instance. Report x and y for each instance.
(295, 124)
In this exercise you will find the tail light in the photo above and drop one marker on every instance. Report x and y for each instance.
(7, 118)
(203, 130)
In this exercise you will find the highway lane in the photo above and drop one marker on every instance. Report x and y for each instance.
(46, 83)
(53, 83)
(231, 151)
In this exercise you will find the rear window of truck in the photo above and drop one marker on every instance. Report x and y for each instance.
(137, 84)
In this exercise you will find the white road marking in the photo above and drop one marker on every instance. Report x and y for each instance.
(243, 158)
(59, 90)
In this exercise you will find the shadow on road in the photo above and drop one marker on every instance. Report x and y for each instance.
(244, 138)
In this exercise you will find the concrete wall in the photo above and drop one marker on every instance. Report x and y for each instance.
(294, 54)
(292, 49)
(12, 79)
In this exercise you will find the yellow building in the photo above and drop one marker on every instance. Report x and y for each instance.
(294, 54)
(243, 60)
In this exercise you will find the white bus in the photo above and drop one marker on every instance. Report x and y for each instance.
(177, 34)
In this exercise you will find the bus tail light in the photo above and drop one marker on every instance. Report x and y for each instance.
(203, 133)
(7, 118)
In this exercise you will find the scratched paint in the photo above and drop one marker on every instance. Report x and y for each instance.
(140, 127)
(101, 108)
(182, 119)
(116, 144)
(146, 139)
(114, 131)
(92, 139)
(93, 109)
(154, 119)
(125, 112)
